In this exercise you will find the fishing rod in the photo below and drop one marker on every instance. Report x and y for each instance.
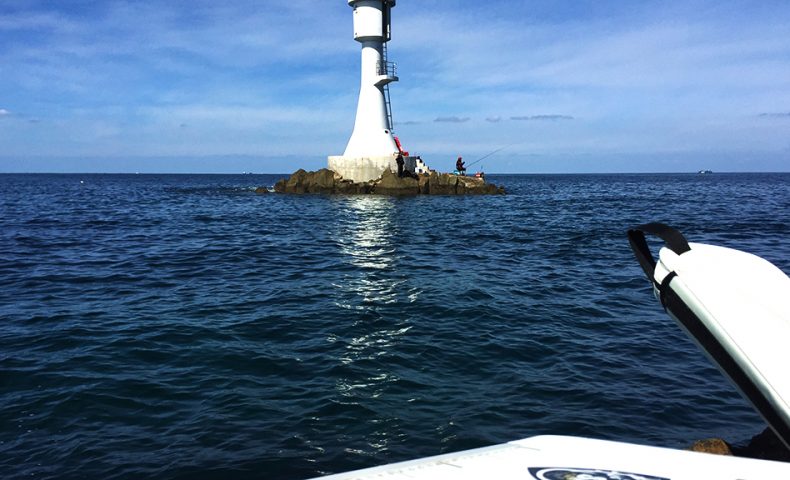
(488, 155)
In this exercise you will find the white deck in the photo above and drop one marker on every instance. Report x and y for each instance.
(567, 458)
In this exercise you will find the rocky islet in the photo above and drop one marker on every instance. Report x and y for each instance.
(326, 181)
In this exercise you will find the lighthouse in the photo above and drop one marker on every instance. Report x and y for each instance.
(372, 147)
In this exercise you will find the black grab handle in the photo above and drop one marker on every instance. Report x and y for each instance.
(674, 240)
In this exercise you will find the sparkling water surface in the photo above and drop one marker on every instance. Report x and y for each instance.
(181, 326)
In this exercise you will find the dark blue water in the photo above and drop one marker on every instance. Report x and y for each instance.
(166, 327)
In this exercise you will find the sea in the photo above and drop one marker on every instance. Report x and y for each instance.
(185, 327)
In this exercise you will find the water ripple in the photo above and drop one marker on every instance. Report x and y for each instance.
(183, 327)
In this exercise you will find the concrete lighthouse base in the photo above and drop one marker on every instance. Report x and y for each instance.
(362, 169)
(365, 169)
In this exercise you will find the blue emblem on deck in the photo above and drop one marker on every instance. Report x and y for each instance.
(556, 473)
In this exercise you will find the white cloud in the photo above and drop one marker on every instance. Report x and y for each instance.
(48, 21)
(250, 75)
(549, 118)
(451, 119)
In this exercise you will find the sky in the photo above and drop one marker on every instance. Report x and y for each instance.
(271, 86)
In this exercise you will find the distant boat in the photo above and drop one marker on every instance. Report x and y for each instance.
(704, 172)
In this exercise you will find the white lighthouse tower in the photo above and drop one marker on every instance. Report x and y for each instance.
(372, 147)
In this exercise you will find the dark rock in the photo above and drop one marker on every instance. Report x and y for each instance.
(297, 183)
(423, 184)
(766, 446)
(442, 184)
(476, 186)
(328, 182)
(346, 187)
(301, 181)
(350, 188)
(715, 446)
(322, 181)
(391, 184)
(261, 190)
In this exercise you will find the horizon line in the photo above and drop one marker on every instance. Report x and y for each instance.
(693, 172)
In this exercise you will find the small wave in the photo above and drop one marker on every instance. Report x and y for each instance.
(183, 330)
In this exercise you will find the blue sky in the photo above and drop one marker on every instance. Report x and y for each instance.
(271, 86)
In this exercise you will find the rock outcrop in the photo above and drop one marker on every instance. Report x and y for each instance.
(390, 184)
(715, 446)
(765, 446)
(328, 182)
(322, 181)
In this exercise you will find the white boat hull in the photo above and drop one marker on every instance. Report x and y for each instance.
(736, 306)
(573, 458)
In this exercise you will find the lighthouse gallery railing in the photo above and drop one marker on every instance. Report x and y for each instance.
(389, 69)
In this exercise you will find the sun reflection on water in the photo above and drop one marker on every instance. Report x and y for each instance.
(366, 234)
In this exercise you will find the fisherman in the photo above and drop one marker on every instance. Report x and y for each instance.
(459, 166)
(399, 161)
